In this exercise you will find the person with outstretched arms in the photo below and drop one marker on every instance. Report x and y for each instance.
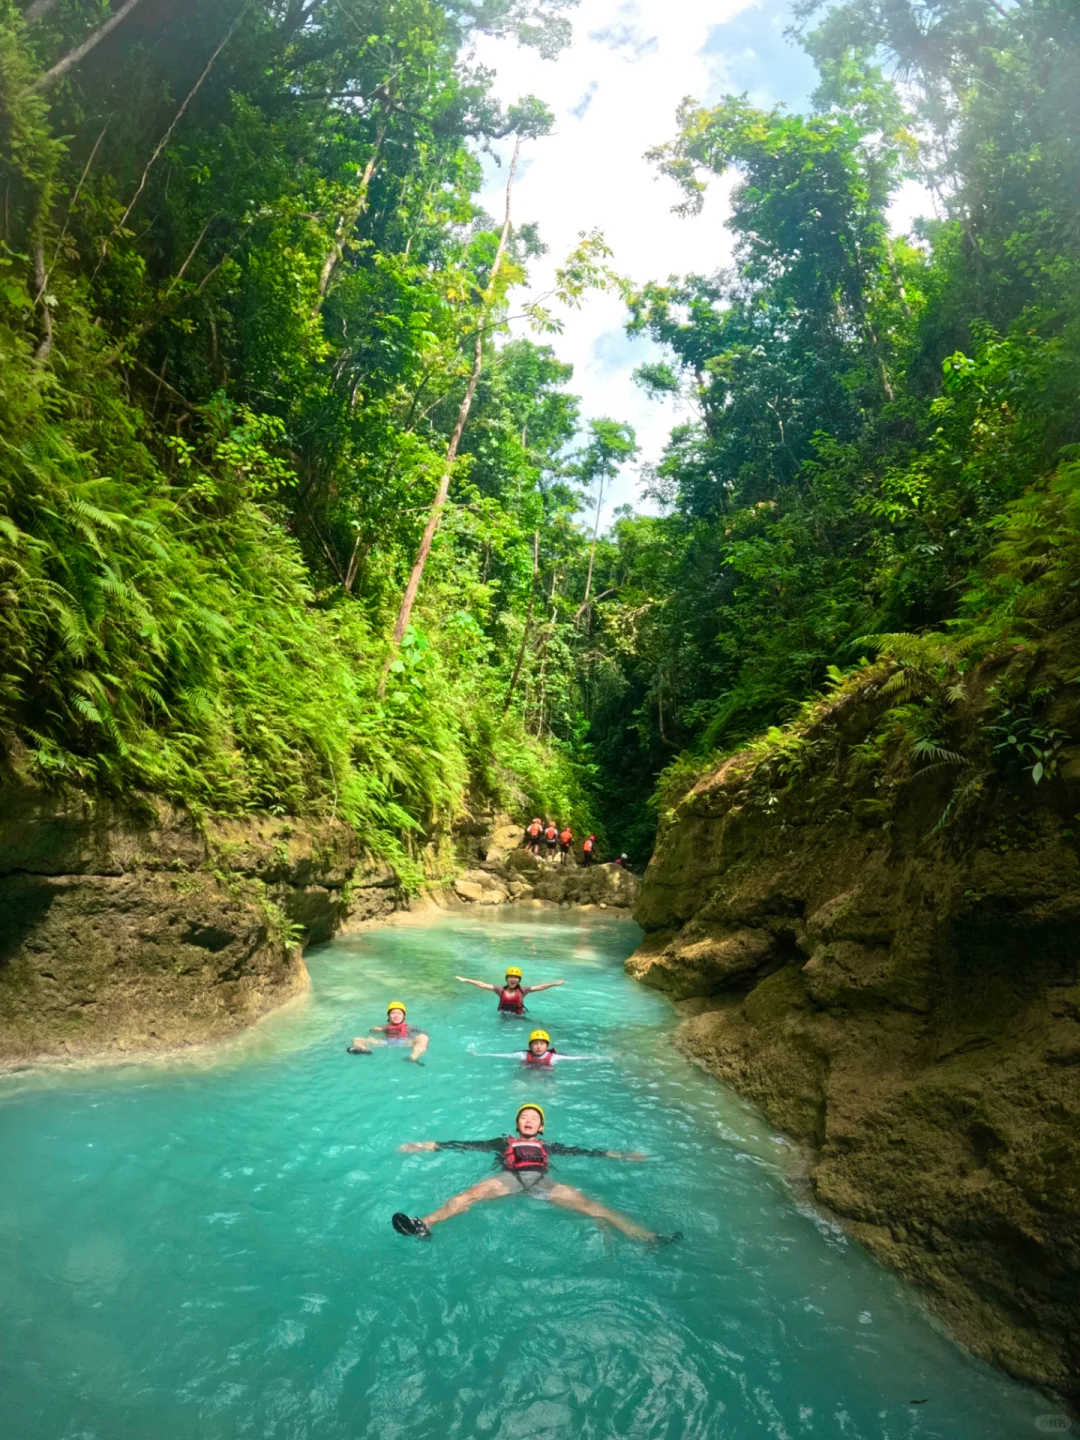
(522, 1161)
(395, 1032)
(512, 993)
(541, 1054)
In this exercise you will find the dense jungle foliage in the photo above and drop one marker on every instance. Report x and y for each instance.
(287, 519)
(882, 430)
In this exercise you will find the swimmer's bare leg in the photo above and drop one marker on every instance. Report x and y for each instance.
(491, 1189)
(420, 1044)
(567, 1198)
(365, 1042)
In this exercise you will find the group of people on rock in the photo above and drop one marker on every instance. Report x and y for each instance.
(521, 1158)
(546, 839)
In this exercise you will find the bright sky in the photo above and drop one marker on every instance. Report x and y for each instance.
(614, 94)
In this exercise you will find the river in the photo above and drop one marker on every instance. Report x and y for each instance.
(202, 1248)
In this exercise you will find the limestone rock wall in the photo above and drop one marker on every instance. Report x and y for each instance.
(907, 1004)
(126, 932)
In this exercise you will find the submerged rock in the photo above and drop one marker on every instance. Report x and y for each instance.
(904, 1001)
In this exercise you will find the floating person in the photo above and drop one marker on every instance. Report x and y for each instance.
(541, 1054)
(588, 850)
(551, 838)
(512, 993)
(566, 839)
(523, 1161)
(533, 833)
(396, 1031)
(622, 862)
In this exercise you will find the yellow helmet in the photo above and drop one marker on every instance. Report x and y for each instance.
(539, 1110)
(396, 1005)
(539, 1035)
(513, 970)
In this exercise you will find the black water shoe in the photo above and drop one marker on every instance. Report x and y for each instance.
(658, 1241)
(355, 1050)
(409, 1225)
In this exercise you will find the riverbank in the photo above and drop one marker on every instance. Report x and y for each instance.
(129, 932)
(902, 997)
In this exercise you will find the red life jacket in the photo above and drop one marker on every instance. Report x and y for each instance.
(587, 847)
(511, 1000)
(534, 829)
(551, 833)
(524, 1154)
(547, 1058)
(397, 1032)
(566, 837)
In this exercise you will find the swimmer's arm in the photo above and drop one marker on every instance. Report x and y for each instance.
(495, 1055)
(480, 984)
(561, 1056)
(455, 1145)
(413, 1145)
(532, 989)
(556, 1149)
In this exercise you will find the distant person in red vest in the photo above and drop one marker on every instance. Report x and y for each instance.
(541, 1054)
(396, 1031)
(566, 839)
(533, 832)
(551, 838)
(588, 851)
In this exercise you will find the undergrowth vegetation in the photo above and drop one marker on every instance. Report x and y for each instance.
(236, 312)
(288, 523)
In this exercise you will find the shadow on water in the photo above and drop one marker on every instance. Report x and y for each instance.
(204, 1249)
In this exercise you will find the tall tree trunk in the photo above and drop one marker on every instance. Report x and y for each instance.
(72, 58)
(37, 11)
(542, 651)
(348, 219)
(592, 554)
(41, 281)
(408, 600)
(169, 132)
(528, 624)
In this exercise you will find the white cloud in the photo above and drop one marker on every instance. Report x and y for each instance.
(614, 94)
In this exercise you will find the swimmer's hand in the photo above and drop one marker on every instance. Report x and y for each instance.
(411, 1147)
(627, 1155)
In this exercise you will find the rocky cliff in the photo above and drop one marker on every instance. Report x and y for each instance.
(884, 955)
(126, 931)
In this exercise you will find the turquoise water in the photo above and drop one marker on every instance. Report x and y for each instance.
(204, 1250)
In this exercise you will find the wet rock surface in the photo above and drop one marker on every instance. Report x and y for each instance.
(501, 871)
(907, 1004)
(128, 930)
